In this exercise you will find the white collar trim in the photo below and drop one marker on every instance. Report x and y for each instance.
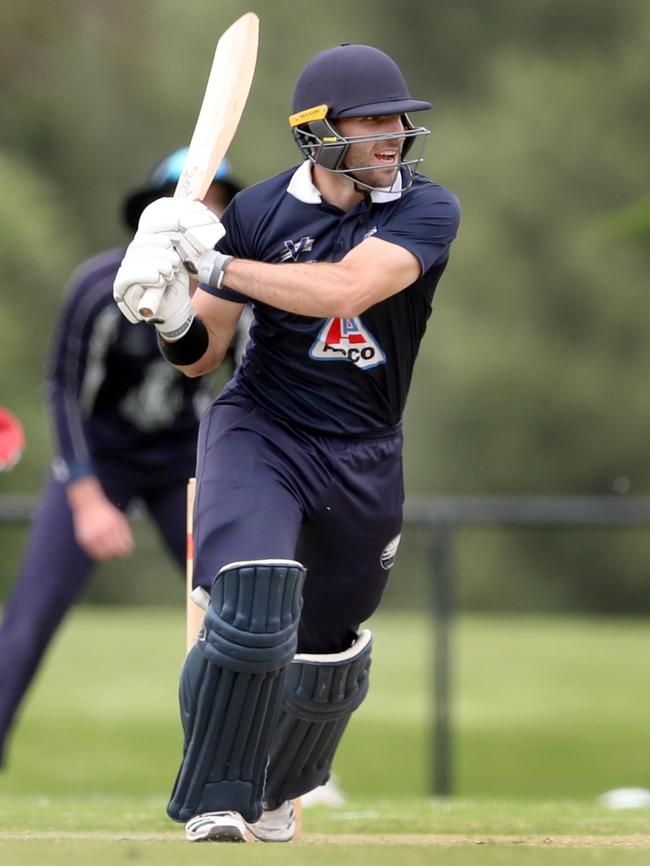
(302, 187)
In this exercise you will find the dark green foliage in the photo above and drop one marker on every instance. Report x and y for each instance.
(532, 377)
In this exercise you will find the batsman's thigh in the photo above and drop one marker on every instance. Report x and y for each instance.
(350, 541)
(348, 559)
(243, 510)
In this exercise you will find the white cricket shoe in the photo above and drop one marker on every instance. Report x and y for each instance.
(275, 825)
(216, 827)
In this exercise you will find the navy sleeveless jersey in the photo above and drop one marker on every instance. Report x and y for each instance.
(340, 376)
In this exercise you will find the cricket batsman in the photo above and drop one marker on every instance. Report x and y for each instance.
(299, 498)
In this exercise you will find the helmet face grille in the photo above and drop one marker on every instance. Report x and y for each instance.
(323, 145)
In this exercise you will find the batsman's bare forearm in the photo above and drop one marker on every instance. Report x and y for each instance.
(317, 289)
(369, 273)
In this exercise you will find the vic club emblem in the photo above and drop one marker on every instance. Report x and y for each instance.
(347, 340)
(293, 249)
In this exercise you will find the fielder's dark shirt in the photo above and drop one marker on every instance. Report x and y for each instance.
(340, 376)
(111, 393)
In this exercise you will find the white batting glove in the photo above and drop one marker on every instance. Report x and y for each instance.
(175, 313)
(190, 225)
(150, 262)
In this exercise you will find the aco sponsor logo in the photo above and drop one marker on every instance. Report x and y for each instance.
(347, 340)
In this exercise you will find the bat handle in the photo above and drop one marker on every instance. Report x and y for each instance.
(149, 302)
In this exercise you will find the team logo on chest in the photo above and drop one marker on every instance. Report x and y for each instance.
(347, 340)
(293, 249)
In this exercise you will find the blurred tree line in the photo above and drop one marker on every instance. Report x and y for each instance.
(531, 377)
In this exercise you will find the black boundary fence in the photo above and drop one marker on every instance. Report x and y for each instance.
(444, 517)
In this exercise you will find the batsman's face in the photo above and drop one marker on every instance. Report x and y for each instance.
(383, 156)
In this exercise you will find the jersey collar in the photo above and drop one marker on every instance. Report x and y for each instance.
(302, 187)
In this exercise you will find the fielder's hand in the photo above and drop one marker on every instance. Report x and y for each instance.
(152, 262)
(191, 227)
(99, 527)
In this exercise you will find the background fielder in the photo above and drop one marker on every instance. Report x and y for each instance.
(125, 426)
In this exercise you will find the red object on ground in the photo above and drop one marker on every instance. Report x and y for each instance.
(12, 439)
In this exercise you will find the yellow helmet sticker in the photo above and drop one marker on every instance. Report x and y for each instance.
(318, 112)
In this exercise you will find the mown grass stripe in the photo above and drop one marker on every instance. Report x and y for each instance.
(444, 840)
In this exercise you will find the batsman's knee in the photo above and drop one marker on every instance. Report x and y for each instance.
(251, 622)
(320, 694)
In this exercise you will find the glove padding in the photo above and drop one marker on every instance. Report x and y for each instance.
(152, 262)
(191, 227)
(175, 313)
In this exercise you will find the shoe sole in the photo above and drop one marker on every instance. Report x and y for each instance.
(271, 839)
(212, 830)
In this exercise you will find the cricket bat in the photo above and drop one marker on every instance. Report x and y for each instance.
(193, 613)
(225, 96)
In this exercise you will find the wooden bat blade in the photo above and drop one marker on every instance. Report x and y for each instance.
(223, 103)
(225, 96)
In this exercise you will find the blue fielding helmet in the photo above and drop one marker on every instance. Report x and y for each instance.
(162, 181)
(351, 81)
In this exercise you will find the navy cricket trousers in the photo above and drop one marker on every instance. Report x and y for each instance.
(55, 568)
(265, 491)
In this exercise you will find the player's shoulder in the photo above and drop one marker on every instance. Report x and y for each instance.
(95, 275)
(425, 190)
(427, 200)
(264, 192)
(99, 267)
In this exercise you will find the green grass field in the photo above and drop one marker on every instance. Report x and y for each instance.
(548, 714)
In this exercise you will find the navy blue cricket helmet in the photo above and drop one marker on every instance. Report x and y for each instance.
(162, 181)
(351, 81)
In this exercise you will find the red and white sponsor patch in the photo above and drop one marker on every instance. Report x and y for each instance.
(347, 340)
